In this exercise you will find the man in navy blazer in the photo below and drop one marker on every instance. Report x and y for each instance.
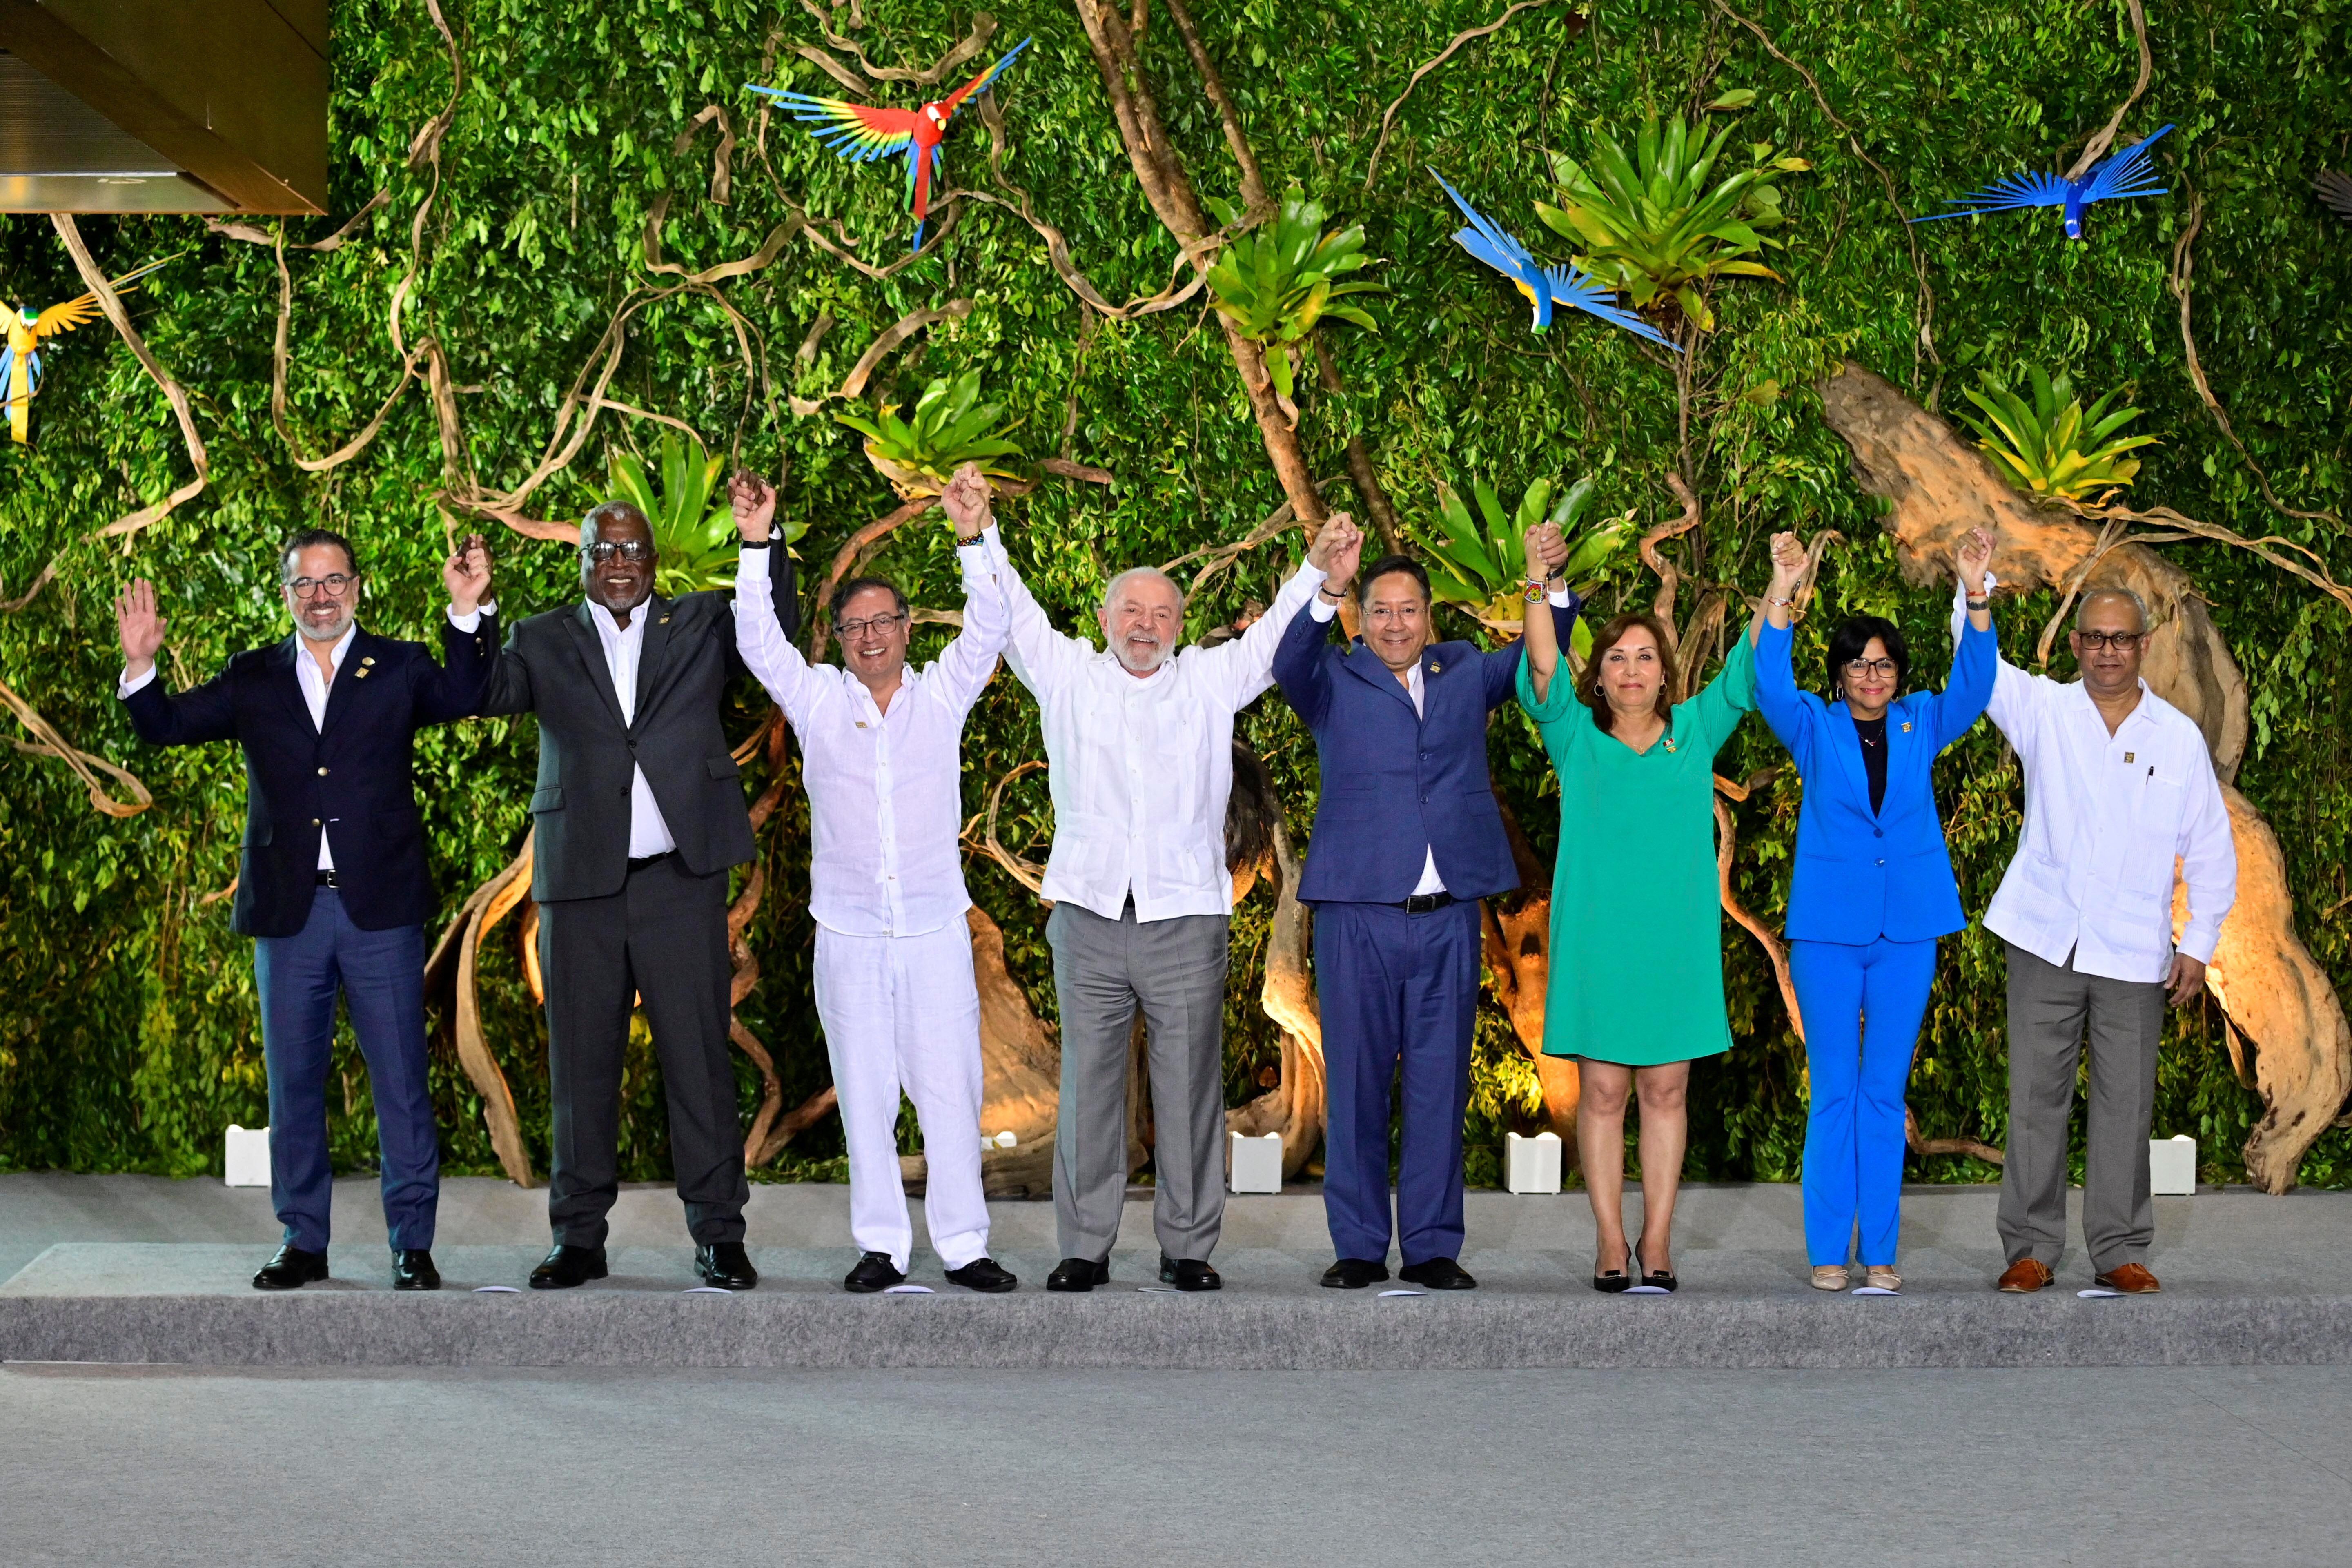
(1408, 839)
(332, 881)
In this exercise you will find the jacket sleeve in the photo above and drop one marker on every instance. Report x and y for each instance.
(453, 689)
(1302, 666)
(1780, 699)
(1962, 700)
(507, 690)
(201, 713)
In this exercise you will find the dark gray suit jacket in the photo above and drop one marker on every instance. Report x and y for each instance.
(553, 667)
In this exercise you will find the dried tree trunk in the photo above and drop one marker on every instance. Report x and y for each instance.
(2265, 979)
(1295, 1107)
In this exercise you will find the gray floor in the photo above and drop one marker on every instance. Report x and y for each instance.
(158, 1466)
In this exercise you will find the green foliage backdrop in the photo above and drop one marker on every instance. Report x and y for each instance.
(128, 1033)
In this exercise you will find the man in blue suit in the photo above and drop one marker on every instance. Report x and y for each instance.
(1408, 839)
(332, 882)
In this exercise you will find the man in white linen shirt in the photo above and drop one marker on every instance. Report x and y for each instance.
(1138, 742)
(881, 757)
(2118, 784)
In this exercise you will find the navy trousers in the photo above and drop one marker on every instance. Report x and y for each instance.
(1863, 1007)
(1396, 988)
(381, 974)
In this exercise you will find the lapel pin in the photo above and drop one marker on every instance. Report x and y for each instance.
(2128, 756)
(1435, 667)
(1670, 743)
(1906, 726)
(367, 661)
(664, 620)
(359, 674)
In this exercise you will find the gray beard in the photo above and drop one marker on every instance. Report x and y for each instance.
(316, 635)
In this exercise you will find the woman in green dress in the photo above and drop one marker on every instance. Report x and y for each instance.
(1636, 989)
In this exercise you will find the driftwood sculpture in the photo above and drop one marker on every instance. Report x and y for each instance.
(2273, 991)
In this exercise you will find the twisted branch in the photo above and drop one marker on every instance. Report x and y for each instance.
(2106, 136)
(48, 743)
(1387, 115)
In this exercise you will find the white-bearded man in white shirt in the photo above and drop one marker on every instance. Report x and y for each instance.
(2118, 784)
(881, 757)
(1139, 745)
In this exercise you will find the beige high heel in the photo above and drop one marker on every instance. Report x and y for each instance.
(1829, 1277)
(1882, 1276)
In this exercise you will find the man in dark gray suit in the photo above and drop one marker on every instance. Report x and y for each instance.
(639, 813)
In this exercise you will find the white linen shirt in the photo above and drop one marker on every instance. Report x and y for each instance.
(648, 834)
(2104, 818)
(886, 797)
(1140, 770)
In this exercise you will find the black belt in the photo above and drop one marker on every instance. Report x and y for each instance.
(327, 878)
(1422, 903)
(640, 862)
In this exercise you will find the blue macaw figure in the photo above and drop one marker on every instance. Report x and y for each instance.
(2130, 173)
(1544, 286)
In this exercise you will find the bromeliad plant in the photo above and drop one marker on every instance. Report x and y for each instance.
(1481, 565)
(2053, 447)
(1276, 284)
(1659, 224)
(950, 427)
(694, 528)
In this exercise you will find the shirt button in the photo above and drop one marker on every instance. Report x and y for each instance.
(314, 822)
(1878, 833)
(322, 773)
(1882, 862)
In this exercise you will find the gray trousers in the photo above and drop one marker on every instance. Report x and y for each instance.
(2049, 1007)
(1175, 972)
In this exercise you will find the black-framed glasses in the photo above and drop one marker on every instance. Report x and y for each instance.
(335, 583)
(882, 626)
(2099, 642)
(634, 551)
(1859, 669)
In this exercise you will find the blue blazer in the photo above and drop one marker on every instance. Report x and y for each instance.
(1860, 874)
(352, 779)
(1399, 786)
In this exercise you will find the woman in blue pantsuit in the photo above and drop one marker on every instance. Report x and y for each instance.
(1872, 891)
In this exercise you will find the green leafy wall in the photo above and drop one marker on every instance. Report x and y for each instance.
(127, 1034)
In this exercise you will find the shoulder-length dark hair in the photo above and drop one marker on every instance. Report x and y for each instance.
(1852, 636)
(1588, 684)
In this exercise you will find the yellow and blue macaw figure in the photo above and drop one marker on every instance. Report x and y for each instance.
(862, 133)
(20, 355)
(1544, 286)
(2129, 173)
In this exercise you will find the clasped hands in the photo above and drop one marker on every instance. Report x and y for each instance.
(1971, 558)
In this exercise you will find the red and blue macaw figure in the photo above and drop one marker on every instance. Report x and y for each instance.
(861, 132)
(2130, 173)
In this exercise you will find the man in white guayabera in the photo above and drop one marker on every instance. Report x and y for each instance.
(881, 755)
(1139, 746)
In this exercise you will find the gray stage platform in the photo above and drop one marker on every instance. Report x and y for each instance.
(130, 1269)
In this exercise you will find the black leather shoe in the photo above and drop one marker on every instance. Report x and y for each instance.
(412, 1270)
(290, 1268)
(984, 1275)
(1078, 1273)
(1437, 1274)
(564, 1267)
(1189, 1274)
(874, 1271)
(1354, 1274)
(726, 1264)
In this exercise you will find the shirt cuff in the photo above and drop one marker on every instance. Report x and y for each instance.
(124, 686)
(2199, 940)
(978, 556)
(1560, 598)
(472, 621)
(1323, 609)
(751, 566)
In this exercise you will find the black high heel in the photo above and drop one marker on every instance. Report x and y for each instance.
(1618, 1278)
(1664, 1279)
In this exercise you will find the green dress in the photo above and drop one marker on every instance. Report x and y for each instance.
(1636, 921)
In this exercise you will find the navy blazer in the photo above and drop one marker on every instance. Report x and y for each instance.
(352, 779)
(1400, 786)
(1861, 875)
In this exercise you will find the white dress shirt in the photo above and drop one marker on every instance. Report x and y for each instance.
(1324, 610)
(885, 797)
(648, 834)
(1141, 769)
(2104, 818)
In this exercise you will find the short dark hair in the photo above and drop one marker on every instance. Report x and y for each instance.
(1588, 684)
(856, 586)
(1385, 566)
(1854, 635)
(308, 537)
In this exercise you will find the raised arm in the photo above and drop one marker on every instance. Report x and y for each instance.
(760, 640)
(1974, 662)
(1245, 667)
(970, 658)
(452, 689)
(201, 713)
(1301, 664)
(1543, 636)
(1785, 706)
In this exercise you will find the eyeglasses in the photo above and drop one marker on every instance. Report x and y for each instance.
(1406, 614)
(633, 551)
(880, 624)
(1857, 668)
(2099, 642)
(336, 586)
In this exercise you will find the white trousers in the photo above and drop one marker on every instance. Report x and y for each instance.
(903, 1013)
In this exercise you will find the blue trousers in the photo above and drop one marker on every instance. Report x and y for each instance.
(1863, 1007)
(381, 974)
(1396, 988)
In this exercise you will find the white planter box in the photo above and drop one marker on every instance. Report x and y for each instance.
(249, 1156)
(1255, 1165)
(2172, 1165)
(1531, 1164)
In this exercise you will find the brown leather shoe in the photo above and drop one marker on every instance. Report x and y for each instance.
(2132, 1279)
(2026, 1275)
